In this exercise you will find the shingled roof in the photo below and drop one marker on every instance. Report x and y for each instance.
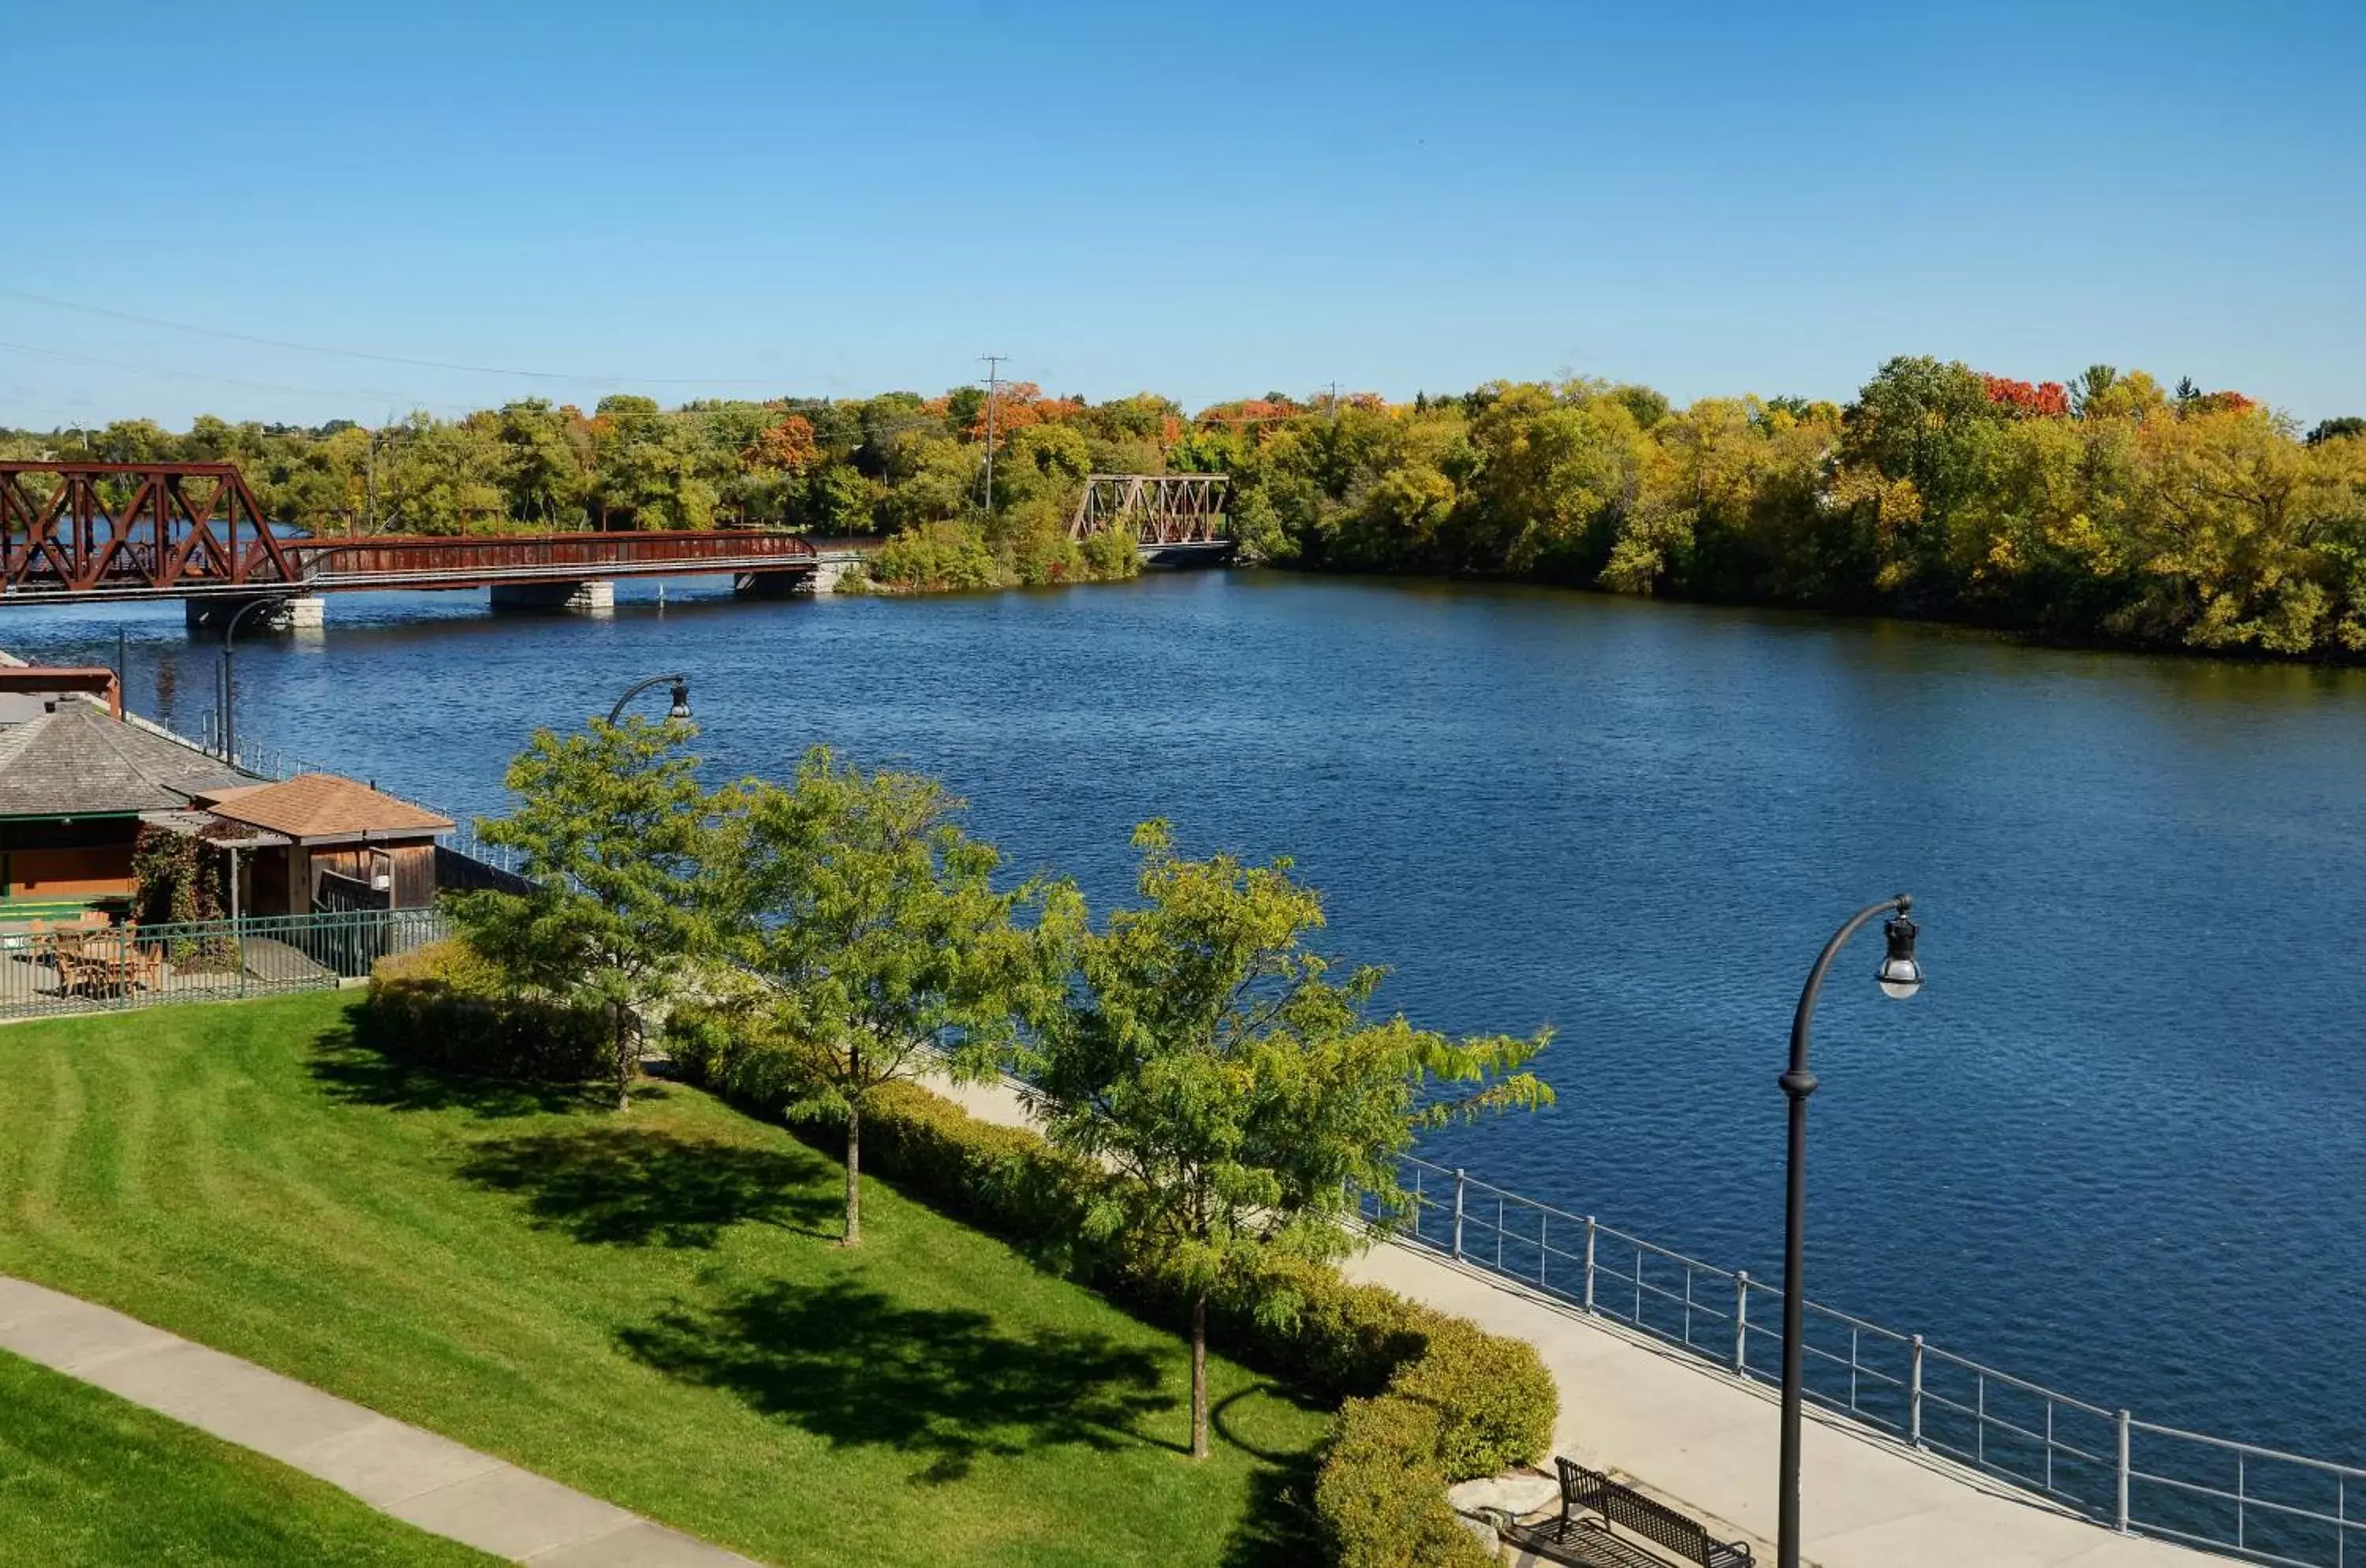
(311, 807)
(77, 760)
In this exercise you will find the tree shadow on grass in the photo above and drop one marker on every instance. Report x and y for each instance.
(1278, 1527)
(856, 1368)
(356, 1072)
(641, 1187)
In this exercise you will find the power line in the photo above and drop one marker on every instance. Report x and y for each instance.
(202, 375)
(382, 359)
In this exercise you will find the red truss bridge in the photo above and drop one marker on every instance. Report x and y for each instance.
(1171, 516)
(95, 531)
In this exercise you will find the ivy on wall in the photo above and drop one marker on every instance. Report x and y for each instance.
(176, 880)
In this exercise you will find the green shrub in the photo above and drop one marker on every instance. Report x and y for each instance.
(1495, 1399)
(1380, 1495)
(1430, 1397)
(1328, 1334)
(1046, 561)
(934, 557)
(446, 1006)
(1112, 555)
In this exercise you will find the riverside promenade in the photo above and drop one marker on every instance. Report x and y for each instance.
(1706, 1442)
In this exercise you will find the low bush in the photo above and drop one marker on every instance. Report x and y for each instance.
(1495, 1398)
(1111, 554)
(1430, 1398)
(1381, 1496)
(446, 1006)
(934, 557)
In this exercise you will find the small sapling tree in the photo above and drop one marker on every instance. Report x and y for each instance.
(610, 823)
(878, 945)
(1214, 1061)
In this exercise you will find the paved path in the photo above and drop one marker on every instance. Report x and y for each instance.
(1706, 1441)
(412, 1475)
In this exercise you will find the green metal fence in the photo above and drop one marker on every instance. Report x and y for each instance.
(48, 969)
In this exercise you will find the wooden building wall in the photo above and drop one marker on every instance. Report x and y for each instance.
(87, 859)
(412, 867)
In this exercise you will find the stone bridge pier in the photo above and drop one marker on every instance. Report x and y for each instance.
(821, 576)
(596, 597)
(281, 613)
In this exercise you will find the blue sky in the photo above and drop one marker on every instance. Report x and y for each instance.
(1212, 201)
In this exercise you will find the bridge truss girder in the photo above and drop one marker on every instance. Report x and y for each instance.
(1159, 509)
(62, 532)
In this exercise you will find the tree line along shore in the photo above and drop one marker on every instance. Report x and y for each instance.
(2107, 508)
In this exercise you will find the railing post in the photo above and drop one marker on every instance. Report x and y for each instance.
(1914, 1392)
(1459, 1184)
(2121, 1523)
(1589, 1262)
(1742, 1323)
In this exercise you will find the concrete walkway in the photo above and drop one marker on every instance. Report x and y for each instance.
(399, 1470)
(1706, 1442)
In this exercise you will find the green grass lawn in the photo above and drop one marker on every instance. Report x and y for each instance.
(649, 1306)
(89, 1479)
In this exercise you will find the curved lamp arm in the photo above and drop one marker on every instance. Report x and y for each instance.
(1803, 1021)
(681, 696)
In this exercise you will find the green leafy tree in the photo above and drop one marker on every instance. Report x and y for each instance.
(546, 464)
(1220, 1065)
(610, 823)
(879, 946)
(439, 477)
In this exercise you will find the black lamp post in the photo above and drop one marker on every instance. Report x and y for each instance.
(229, 681)
(680, 708)
(1901, 977)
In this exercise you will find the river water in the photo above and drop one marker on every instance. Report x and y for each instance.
(2117, 1145)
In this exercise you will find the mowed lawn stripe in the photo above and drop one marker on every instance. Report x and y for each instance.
(647, 1306)
(91, 1481)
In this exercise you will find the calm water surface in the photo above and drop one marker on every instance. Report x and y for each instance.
(2116, 1145)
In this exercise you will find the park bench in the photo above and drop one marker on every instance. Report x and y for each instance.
(1590, 1491)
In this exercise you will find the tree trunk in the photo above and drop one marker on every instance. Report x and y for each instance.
(854, 1176)
(620, 1043)
(1199, 1375)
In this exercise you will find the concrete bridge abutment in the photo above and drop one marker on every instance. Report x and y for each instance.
(817, 579)
(210, 617)
(595, 597)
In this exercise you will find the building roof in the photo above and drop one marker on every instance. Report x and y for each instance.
(27, 689)
(311, 807)
(75, 761)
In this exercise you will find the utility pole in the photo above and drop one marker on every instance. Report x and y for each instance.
(993, 387)
(1334, 403)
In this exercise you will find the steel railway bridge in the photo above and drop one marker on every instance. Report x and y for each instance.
(1175, 518)
(93, 532)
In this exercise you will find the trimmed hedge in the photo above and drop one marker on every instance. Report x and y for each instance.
(1381, 1493)
(1429, 1398)
(446, 1006)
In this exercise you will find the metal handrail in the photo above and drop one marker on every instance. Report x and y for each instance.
(2080, 1454)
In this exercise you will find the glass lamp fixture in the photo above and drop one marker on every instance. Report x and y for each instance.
(680, 709)
(1901, 976)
